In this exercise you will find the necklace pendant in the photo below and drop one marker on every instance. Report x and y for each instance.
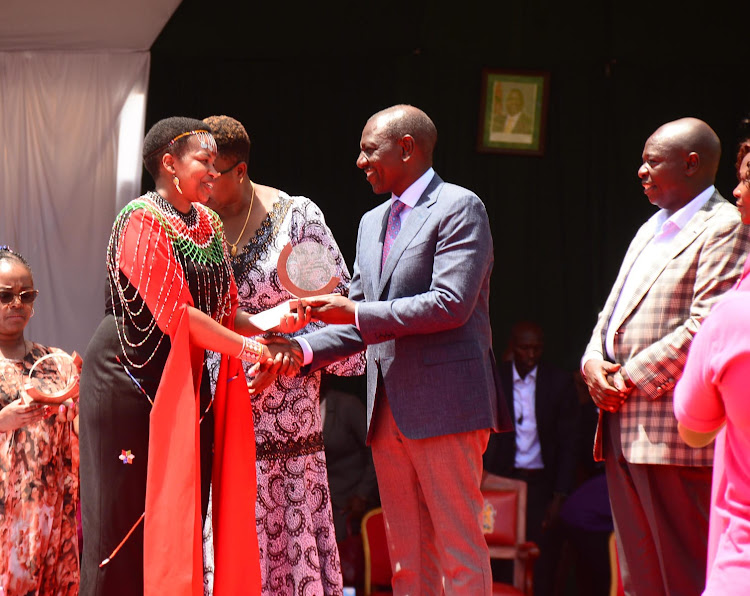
(233, 251)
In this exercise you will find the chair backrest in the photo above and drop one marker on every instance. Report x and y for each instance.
(377, 561)
(504, 512)
(500, 517)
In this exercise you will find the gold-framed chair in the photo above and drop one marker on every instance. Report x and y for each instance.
(504, 527)
(377, 560)
(615, 587)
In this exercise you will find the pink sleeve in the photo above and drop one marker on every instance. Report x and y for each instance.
(698, 403)
(147, 260)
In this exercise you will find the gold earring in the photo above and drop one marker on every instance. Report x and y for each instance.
(241, 179)
(32, 312)
(176, 182)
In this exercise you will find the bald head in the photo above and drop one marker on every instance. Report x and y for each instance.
(396, 148)
(401, 120)
(680, 160)
(691, 135)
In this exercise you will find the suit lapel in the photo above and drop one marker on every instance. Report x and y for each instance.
(669, 252)
(540, 394)
(413, 224)
(507, 384)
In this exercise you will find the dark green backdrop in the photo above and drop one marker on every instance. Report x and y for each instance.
(304, 78)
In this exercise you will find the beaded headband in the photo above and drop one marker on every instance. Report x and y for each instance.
(205, 138)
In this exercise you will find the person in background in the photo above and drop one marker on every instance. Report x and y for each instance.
(681, 261)
(148, 414)
(543, 449)
(38, 455)
(259, 221)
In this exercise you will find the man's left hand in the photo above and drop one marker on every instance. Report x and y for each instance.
(333, 309)
(294, 320)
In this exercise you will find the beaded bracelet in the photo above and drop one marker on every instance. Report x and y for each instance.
(251, 351)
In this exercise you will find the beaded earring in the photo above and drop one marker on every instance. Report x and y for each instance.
(176, 182)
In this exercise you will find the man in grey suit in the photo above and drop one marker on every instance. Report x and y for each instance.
(678, 265)
(418, 302)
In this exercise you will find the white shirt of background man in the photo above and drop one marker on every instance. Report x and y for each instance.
(528, 448)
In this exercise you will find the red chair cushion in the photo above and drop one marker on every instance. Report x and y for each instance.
(499, 522)
(380, 562)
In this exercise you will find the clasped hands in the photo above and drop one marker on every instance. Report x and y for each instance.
(286, 354)
(608, 384)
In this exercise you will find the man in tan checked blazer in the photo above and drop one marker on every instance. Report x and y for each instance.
(678, 265)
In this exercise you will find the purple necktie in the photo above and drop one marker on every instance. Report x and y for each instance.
(394, 225)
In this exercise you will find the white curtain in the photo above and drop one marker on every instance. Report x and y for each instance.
(71, 128)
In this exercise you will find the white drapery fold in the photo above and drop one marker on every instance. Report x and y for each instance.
(63, 176)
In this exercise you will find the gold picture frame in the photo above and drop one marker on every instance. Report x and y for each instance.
(513, 113)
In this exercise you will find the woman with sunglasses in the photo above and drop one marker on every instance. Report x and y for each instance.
(38, 456)
(152, 433)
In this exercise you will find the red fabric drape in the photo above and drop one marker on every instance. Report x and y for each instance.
(172, 549)
(173, 560)
(236, 554)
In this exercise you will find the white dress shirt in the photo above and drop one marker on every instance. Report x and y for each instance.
(528, 447)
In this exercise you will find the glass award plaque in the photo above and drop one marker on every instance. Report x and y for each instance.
(53, 378)
(305, 269)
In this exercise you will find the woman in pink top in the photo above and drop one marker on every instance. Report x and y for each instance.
(711, 394)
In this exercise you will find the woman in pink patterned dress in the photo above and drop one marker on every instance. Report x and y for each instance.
(296, 536)
(38, 457)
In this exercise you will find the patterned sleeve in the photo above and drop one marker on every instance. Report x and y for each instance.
(308, 223)
(720, 262)
(147, 259)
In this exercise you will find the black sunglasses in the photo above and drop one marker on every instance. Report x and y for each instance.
(26, 297)
(230, 168)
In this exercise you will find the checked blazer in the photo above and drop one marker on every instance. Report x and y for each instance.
(662, 315)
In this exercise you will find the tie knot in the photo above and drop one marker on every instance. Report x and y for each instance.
(397, 208)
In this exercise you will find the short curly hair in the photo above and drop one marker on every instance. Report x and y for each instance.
(159, 137)
(231, 137)
(743, 150)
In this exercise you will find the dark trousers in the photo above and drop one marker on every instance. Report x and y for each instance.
(661, 521)
(550, 541)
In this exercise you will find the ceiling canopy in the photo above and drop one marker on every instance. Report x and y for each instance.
(82, 25)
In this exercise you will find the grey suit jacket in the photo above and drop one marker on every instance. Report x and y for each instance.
(425, 319)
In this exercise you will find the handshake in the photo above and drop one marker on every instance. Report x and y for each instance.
(286, 354)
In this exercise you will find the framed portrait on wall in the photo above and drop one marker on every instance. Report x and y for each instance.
(513, 112)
